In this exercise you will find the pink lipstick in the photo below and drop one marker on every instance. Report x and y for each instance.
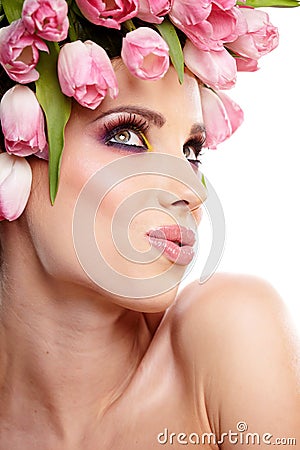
(175, 241)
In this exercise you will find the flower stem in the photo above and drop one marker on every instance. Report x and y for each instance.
(128, 26)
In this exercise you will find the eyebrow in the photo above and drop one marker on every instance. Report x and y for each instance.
(198, 128)
(153, 116)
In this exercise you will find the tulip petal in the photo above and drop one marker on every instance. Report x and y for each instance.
(221, 115)
(145, 53)
(15, 185)
(215, 69)
(19, 52)
(244, 64)
(189, 12)
(48, 19)
(22, 122)
(85, 72)
(108, 14)
(153, 11)
(233, 110)
(261, 36)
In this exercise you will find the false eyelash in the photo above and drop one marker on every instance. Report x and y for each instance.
(130, 121)
(197, 144)
(196, 162)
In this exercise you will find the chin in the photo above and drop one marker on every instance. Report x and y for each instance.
(155, 304)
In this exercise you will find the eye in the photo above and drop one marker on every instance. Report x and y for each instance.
(192, 152)
(189, 152)
(127, 137)
(127, 132)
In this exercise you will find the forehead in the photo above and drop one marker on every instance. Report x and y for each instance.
(177, 102)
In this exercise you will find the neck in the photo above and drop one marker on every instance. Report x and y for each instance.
(65, 356)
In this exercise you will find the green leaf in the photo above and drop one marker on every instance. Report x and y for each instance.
(74, 8)
(203, 181)
(57, 109)
(73, 23)
(267, 3)
(72, 30)
(12, 9)
(168, 32)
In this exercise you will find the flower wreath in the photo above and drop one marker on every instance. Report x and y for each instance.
(63, 49)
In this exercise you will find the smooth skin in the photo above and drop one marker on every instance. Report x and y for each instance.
(84, 369)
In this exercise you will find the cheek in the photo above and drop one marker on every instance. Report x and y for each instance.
(50, 226)
(121, 224)
(114, 221)
(198, 214)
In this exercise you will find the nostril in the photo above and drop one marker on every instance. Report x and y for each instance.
(180, 203)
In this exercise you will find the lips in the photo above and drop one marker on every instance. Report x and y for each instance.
(176, 242)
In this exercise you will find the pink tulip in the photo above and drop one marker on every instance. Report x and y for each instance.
(154, 11)
(261, 37)
(47, 18)
(227, 25)
(108, 14)
(215, 69)
(85, 72)
(225, 4)
(185, 13)
(22, 123)
(221, 115)
(201, 35)
(233, 111)
(145, 54)
(189, 16)
(219, 27)
(244, 64)
(15, 185)
(19, 52)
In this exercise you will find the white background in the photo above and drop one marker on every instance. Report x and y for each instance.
(256, 173)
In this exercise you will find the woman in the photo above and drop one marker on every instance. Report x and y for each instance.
(86, 367)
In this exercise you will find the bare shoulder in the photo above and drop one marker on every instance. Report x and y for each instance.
(235, 337)
(229, 306)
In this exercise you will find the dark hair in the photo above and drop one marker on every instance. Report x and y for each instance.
(108, 38)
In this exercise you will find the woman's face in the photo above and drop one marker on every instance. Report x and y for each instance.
(162, 118)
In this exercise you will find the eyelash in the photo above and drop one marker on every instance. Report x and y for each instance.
(126, 123)
(130, 122)
(197, 145)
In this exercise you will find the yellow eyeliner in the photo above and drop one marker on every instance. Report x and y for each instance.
(149, 146)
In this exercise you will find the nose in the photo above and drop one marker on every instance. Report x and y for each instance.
(185, 194)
